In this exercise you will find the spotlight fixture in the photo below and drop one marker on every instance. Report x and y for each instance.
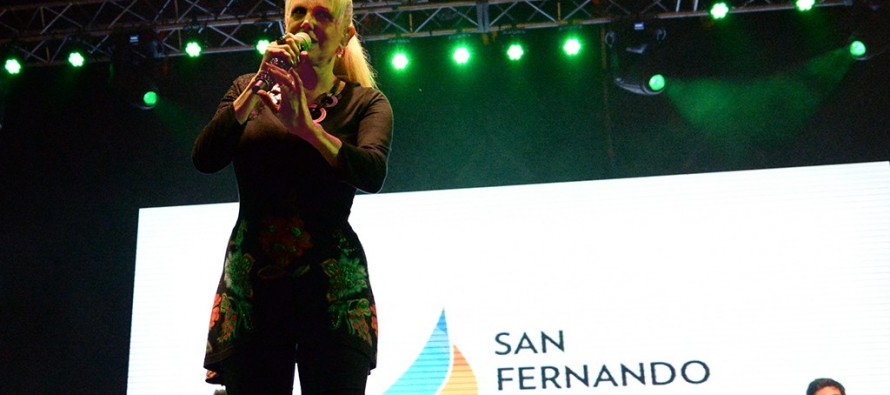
(193, 39)
(864, 47)
(193, 48)
(571, 46)
(515, 52)
(400, 60)
(76, 58)
(719, 10)
(12, 65)
(461, 55)
(135, 67)
(641, 83)
(633, 57)
(804, 5)
(514, 40)
(261, 45)
(400, 53)
(264, 33)
(12, 62)
(871, 36)
(858, 49)
(150, 98)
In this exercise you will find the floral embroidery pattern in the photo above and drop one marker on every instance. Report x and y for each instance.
(278, 250)
(283, 240)
(231, 321)
(374, 319)
(214, 314)
(238, 266)
(347, 279)
(234, 306)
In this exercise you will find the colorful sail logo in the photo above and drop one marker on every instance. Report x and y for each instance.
(440, 369)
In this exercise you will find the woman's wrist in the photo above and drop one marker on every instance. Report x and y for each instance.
(244, 104)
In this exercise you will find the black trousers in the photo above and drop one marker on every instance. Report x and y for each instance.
(325, 369)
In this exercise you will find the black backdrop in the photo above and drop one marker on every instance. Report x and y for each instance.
(76, 162)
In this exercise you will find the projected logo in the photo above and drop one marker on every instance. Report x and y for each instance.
(440, 369)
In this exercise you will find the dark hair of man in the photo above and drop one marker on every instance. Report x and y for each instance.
(819, 384)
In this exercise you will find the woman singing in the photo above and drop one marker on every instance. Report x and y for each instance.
(302, 138)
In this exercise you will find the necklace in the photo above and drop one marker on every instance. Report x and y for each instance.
(327, 100)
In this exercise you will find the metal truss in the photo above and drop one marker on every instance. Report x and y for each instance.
(44, 33)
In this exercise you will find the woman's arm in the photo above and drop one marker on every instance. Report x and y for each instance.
(216, 144)
(363, 165)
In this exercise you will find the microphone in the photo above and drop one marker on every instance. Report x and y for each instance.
(264, 80)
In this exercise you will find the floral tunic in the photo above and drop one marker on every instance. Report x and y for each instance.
(294, 270)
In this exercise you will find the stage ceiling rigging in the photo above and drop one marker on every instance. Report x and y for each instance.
(43, 33)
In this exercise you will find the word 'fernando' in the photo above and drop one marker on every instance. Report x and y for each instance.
(552, 377)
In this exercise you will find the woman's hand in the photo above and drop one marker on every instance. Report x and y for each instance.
(293, 110)
(283, 52)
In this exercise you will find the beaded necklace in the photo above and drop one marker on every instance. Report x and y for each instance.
(327, 100)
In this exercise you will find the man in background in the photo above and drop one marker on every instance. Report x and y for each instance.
(825, 386)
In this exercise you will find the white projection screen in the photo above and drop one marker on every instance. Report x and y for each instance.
(721, 283)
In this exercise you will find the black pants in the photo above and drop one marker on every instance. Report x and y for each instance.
(330, 369)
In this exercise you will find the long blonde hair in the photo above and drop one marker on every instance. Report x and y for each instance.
(353, 64)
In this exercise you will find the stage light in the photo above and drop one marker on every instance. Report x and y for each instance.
(136, 64)
(193, 49)
(641, 83)
(261, 33)
(193, 37)
(858, 49)
(261, 45)
(633, 57)
(76, 59)
(515, 52)
(77, 49)
(871, 22)
(865, 47)
(804, 5)
(461, 55)
(400, 61)
(150, 99)
(572, 46)
(13, 66)
(719, 10)
(657, 83)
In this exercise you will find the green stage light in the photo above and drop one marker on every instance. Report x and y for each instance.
(400, 61)
(657, 82)
(150, 99)
(804, 5)
(13, 66)
(76, 59)
(858, 49)
(641, 83)
(261, 45)
(719, 10)
(572, 47)
(193, 49)
(461, 55)
(515, 52)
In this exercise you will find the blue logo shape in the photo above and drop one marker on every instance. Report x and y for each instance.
(428, 372)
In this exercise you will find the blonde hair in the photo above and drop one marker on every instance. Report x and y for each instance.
(353, 64)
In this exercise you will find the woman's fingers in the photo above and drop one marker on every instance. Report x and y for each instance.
(293, 109)
(267, 98)
(295, 44)
(283, 77)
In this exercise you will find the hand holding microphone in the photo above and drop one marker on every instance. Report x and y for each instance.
(264, 80)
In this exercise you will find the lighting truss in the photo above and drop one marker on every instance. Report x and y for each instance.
(41, 32)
